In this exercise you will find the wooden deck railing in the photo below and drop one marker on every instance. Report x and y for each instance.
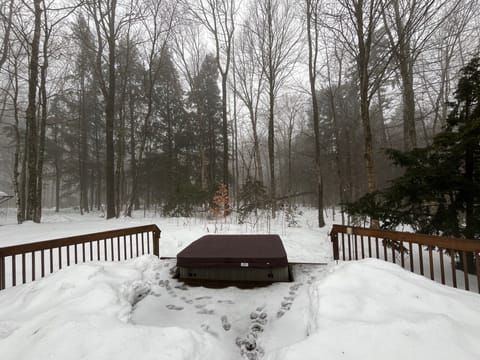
(412, 251)
(27, 262)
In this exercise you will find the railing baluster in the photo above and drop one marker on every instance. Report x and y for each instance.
(60, 257)
(111, 248)
(143, 245)
(430, 259)
(454, 269)
(98, 250)
(343, 246)
(465, 270)
(14, 270)
(410, 249)
(124, 247)
(83, 252)
(369, 246)
(363, 248)
(42, 261)
(385, 257)
(392, 244)
(23, 269)
(402, 254)
(420, 255)
(118, 248)
(68, 255)
(377, 247)
(33, 265)
(148, 242)
(76, 254)
(51, 260)
(477, 266)
(136, 244)
(442, 267)
(105, 249)
(131, 247)
(2, 273)
(356, 246)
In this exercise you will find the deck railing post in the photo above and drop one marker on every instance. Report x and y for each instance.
(334, 237)
(477, 263)
(156, 242)
(2, 272)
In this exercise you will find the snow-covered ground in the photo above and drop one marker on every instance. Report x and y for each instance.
(136, 310)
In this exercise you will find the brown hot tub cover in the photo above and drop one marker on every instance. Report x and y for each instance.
(247, 251)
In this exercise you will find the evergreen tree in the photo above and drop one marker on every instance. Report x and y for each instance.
(207, 112)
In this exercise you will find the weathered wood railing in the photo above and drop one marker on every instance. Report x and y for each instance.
(413, 251)
(44, 257)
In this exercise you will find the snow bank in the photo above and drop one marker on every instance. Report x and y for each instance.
(84, 311)
(372, 309)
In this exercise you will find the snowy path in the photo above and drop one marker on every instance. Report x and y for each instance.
(248, 322)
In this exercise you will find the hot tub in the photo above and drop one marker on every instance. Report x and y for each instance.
(250, 257)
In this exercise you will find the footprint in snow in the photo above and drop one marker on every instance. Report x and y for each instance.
(174, 307)
(186, 300)
(206, 312)
(229, 302)
(225, 323)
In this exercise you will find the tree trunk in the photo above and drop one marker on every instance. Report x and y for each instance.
(408, 96)
(271, 149)
(43, 122)
(83, 153)
(16, 173)
(312, 56)
(110, 119)
(225, 131)
(31, 116)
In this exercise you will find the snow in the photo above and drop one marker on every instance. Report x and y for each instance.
(3, 194)
(135, 309)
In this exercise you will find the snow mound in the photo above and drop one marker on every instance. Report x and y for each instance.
(84, 312)
(372, 309)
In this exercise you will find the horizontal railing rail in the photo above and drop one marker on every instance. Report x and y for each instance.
(44, 257)
(413, 251)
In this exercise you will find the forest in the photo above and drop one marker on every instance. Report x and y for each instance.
(184, 106)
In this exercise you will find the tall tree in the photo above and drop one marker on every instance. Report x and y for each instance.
(218, 17)
(250, 84)
(277, 38)
(31, 114)
(158, 23)
(104, 14)
(313, 22)
(206, 101)
(409, 25)
(359, 30)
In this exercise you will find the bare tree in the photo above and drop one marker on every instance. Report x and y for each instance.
(358, 26)
(274, 26)
(250, 84)
(6, 14)
(409, 26)
(312, 10)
